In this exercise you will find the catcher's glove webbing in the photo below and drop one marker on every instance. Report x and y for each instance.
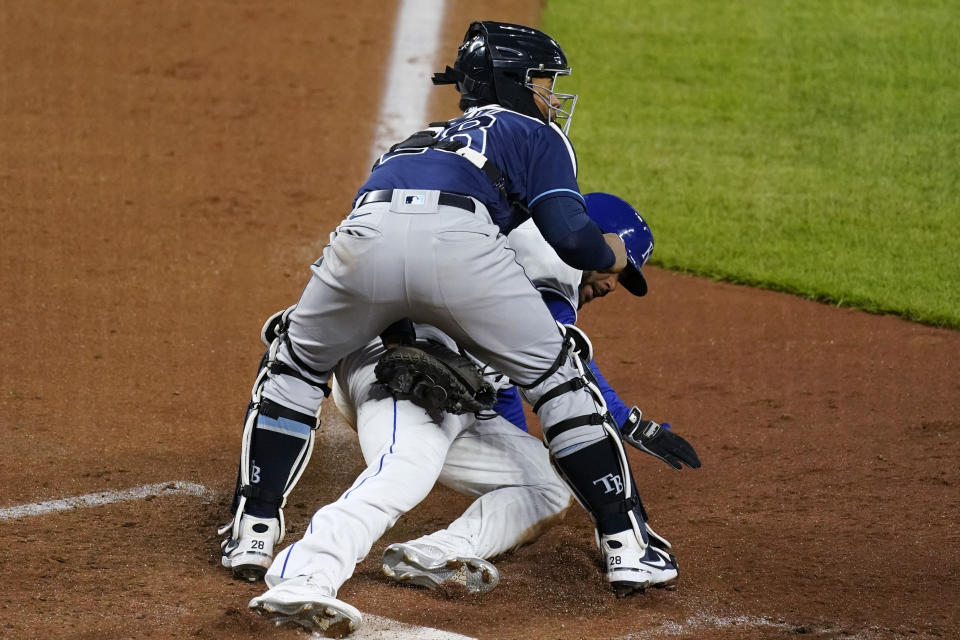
(436, 378)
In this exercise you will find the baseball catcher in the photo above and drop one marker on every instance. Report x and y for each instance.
(429, 223)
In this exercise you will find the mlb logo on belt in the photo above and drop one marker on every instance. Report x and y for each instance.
(415, 199)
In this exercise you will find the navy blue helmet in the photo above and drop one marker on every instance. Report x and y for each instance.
(614, 215)
(496, 64)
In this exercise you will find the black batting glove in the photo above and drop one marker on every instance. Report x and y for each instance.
(651, 437)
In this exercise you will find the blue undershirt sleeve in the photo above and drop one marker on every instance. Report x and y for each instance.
(563, 221)
(559, 308)
(510, 407)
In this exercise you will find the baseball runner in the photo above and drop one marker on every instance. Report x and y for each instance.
(425, 561)
(426, 228)
(407, 449)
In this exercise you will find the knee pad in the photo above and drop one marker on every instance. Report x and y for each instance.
(275, 325)
(568, 399)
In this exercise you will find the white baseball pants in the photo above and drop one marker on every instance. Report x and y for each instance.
(406, 453)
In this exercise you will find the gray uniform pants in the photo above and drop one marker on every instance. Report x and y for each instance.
(438, 265)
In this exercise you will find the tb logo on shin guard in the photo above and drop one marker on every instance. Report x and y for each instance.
(611, 483)
(254, 473)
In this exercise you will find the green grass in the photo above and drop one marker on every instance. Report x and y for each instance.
(811, 147)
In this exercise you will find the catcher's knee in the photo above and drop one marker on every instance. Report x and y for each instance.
(568, 410)
(568, 401)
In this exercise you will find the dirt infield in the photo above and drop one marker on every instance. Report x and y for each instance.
(167, 172)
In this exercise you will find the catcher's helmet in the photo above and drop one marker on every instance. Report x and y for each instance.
(614, 215)
(495, 65)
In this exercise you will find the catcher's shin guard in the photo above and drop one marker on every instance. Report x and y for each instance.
(598, 472)
(634, 557)
(276, 445)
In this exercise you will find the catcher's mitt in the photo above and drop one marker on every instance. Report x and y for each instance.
(436, 378)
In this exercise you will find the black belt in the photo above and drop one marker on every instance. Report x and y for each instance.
(446, 199)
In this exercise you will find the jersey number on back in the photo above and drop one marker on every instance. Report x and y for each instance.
(472, 132)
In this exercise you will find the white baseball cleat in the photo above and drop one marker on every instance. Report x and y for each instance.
(250, 555)
(303, 602)
(429, 566)
(632, 567)
(662, 566)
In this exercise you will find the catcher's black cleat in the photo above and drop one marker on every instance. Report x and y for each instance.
(434, 377)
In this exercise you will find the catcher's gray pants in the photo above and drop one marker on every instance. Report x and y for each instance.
(438, 265)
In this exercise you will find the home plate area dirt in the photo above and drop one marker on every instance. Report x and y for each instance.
(168, 171)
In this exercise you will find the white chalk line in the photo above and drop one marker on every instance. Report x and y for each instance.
(412, 61)
(416, 37)
(377, 628)
(176, 487)
(701, 622)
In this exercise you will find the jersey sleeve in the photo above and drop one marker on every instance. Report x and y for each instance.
(551, 166)
(556, 204)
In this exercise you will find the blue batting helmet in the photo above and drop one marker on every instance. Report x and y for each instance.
(614, 215)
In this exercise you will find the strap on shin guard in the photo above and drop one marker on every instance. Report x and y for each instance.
(290, 461)
(614, 514)
(274, 330)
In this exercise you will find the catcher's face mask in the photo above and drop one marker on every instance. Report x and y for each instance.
(556, 107)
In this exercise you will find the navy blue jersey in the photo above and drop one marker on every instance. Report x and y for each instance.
(536, 158)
